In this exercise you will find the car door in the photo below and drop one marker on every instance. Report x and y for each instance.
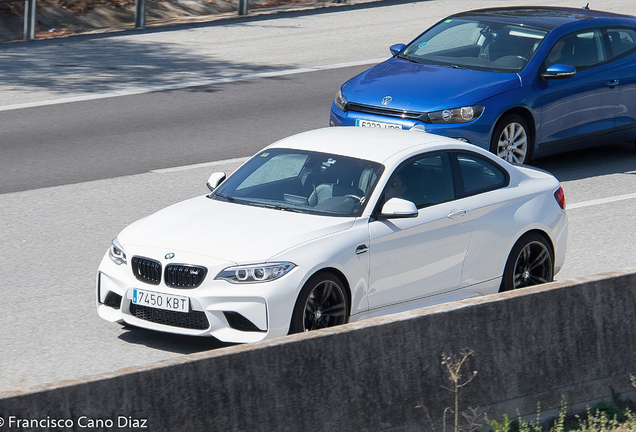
(584, 105)
(480, 186)
(418, 257)
(622, 42)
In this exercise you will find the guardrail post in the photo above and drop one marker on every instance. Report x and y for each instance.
(29, 19)
(140, 14)
(242, 7)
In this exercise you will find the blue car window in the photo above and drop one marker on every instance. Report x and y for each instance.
(621, 40)
(580, 50)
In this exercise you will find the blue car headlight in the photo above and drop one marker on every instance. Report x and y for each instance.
(255, 273)
(340, 101)
(456, 115)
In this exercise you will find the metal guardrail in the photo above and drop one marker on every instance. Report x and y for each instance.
(29, 17)
(30, 7)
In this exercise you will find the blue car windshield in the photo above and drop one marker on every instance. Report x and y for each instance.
(477, 44)
(302, 181)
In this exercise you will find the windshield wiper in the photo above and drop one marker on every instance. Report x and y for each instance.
(228, 198)
(275, 207)
(409, 58)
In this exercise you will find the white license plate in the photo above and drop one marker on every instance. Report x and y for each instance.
(373, 124)
(161, 301)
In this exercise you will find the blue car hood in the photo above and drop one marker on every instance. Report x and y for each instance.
(424, 88)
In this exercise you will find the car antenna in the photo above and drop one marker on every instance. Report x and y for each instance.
(587, 6)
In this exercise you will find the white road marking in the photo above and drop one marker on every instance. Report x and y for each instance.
(600, 201)
(151, 89)
(200, 165)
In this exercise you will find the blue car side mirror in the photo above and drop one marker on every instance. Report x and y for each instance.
(396, 48)
(558, 71)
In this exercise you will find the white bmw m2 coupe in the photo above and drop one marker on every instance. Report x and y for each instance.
(331, 226)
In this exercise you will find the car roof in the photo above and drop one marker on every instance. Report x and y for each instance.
(372, 144)
(543, 17)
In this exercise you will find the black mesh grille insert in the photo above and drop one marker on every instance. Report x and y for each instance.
(192, 320)
(184, 276)
(239, 322)
(146, 270)
(413, 115)
(113, 300)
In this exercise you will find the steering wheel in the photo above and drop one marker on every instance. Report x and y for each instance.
(356, 197)
(522, 58)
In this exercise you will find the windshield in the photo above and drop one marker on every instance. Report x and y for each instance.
(475, 44)
(302, 181)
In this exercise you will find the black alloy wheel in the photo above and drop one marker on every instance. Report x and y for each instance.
(531, 262)
(322, 303)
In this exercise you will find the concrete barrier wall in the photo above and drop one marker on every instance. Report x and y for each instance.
(574, 338)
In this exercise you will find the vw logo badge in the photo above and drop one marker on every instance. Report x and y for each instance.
(386, 100)
(170, 255)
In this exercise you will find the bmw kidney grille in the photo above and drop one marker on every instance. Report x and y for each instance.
(184, 276)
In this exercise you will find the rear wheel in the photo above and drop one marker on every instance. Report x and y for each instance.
(531, 262)
(322, 303)
(511, 140)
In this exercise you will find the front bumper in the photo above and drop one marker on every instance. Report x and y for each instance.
(238, 313)
(476, 132)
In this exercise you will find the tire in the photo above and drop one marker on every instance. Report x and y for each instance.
(321, 303)
(520, 149)
(531, 262)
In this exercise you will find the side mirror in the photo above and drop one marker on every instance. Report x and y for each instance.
(398, 208)
(215, 180)
(396, 48)
(558, 71)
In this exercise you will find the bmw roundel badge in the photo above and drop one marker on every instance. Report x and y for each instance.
(386, 100)
(169, 255)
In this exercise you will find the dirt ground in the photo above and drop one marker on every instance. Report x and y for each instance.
(56, 18)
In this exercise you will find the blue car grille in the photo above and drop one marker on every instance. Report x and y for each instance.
(411, 115)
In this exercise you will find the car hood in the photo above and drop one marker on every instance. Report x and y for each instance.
(424, 88)
(229, 232)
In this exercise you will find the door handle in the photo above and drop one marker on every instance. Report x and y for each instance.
(362, 249)
(456, 214)
(612, 83)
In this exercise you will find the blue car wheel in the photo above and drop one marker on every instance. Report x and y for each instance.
(511, 140)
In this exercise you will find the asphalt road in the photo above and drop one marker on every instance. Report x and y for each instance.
(107, 138)
(78, 162)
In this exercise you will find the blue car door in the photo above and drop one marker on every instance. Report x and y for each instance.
(622, 43)
(584, 105)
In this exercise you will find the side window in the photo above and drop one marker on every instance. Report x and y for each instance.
(621, 40)
(479, 175)
(425, 180)
(580, 50)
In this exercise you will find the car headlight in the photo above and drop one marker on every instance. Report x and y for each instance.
(340, 101)
(456, 115)
(116, 253)
(255, 273)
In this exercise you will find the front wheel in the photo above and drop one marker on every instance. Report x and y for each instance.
(511, 140)
(322, 303)
(531, 262)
